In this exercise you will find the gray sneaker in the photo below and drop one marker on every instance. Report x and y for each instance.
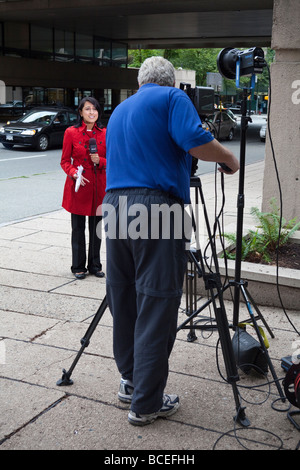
(170, 406)
(125, 391)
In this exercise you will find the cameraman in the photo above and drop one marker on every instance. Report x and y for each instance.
(151, 138)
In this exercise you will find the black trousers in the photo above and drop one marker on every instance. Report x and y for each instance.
(78, 241)
(144, 287)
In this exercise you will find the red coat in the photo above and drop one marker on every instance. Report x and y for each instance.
(75, 152)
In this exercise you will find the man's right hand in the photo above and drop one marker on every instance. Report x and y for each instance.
(215, 152)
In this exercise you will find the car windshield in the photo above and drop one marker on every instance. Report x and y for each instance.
(230, 113)
(39, 117)
(211, 117)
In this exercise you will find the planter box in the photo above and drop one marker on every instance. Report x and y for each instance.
(262, 282)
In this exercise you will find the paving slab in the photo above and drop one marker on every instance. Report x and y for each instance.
(44, 314)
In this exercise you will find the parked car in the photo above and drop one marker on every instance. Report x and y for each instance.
(12, 108)
(221, 124)
(262, 132)
(235, 110)
(40, 128)
(238, 111)
(227, 105)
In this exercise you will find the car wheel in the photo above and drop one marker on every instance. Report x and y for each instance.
(8, 146)
(230, 135)
(43, 142)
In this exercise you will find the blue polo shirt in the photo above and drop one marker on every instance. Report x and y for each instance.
(148, 138)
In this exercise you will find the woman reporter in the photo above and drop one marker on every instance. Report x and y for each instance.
(83, 201)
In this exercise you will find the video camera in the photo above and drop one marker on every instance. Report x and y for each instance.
(202, 97)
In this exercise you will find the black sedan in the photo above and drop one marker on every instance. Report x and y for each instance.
(40, 128)
(12, 108)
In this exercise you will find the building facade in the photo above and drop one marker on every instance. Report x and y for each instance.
(40, 65)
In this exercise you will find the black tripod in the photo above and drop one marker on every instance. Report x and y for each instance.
(239, 285)
(213, 283)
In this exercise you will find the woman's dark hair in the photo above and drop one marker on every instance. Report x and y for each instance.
(95, 103)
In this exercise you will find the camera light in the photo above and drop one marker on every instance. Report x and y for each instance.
(232, 62)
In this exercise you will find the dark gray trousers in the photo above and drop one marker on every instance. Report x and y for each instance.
(144, 288)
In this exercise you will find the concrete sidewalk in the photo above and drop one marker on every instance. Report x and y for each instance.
(45, 312)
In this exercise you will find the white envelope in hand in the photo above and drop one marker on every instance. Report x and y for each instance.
(79, 178)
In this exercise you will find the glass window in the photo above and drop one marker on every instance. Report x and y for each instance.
(35, 96)
(103, 51)
(84, 45)
(60, 45)
(16, 37)
(55, 96)
(41, 39)
(108, 100)
(44, 117)
(230, 113)
(119, 54)
(63, 42)
(62, 118)
(72, 118)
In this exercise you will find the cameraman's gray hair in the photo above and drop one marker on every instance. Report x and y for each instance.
(157, 70)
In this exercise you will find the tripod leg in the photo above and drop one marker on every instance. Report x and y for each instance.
(212, 281)
(229, 359)
(85, 341)
(191, 299)
(259, 314)
(253, 319)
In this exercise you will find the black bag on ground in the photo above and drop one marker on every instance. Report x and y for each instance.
(248, 352)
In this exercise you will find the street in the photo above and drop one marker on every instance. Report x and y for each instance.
(32, 182)
(255, 149)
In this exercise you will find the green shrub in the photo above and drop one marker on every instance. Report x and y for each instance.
(272, 232)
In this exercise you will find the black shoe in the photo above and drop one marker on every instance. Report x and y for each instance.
(79, 275)
(99, 274)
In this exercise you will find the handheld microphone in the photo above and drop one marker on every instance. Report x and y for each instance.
(93, 146)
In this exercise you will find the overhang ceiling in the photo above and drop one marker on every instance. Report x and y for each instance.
(156, 24)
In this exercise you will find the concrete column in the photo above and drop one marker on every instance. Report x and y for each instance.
(285, 111)
(2, 92)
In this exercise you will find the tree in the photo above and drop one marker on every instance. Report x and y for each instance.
(137, 56)
(202, 61)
